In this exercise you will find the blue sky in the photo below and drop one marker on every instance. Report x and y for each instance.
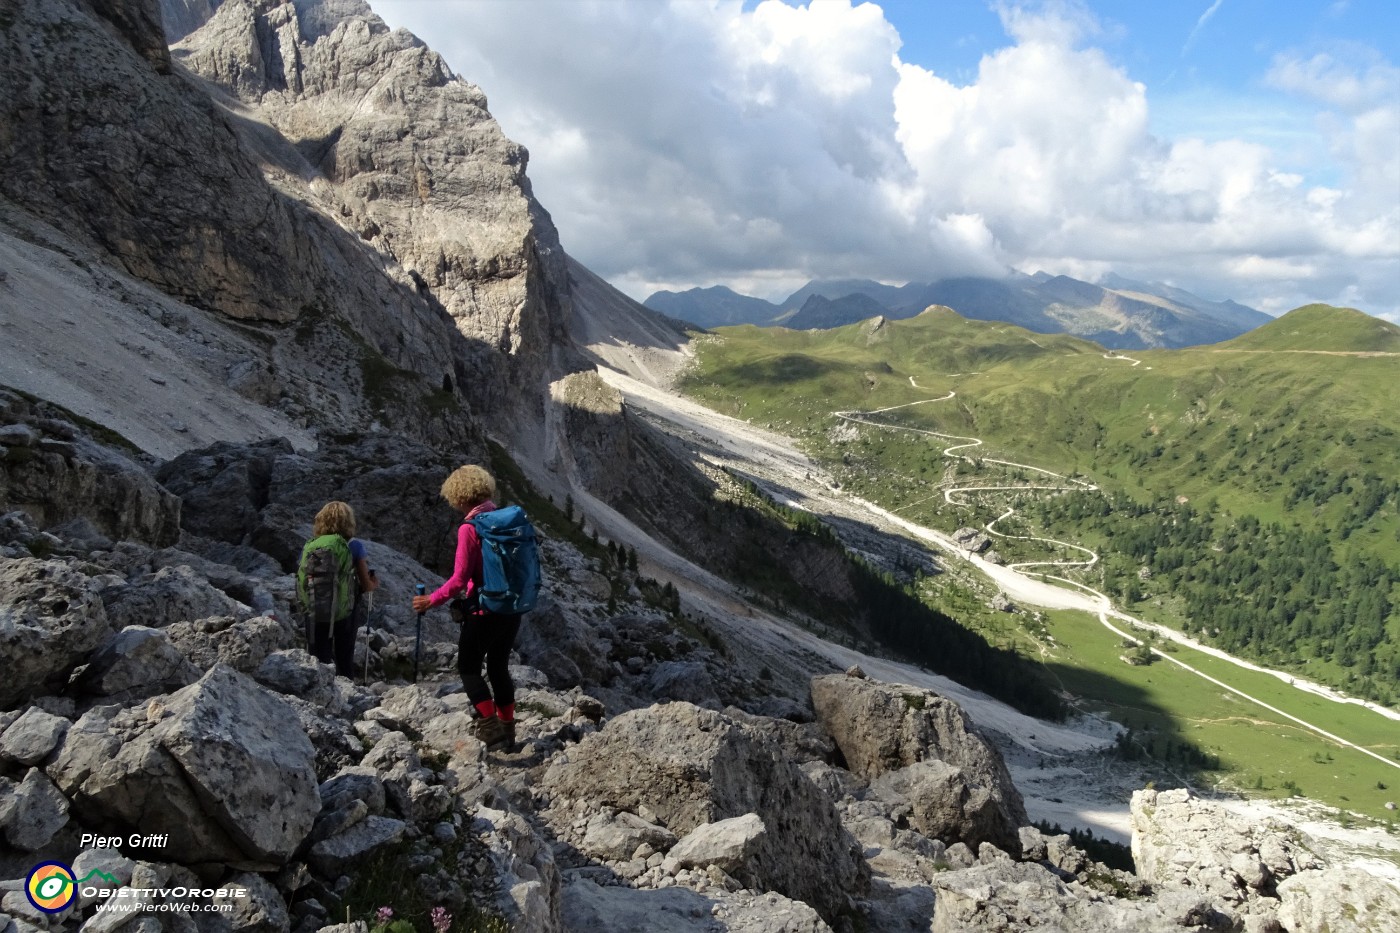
(1236, 148)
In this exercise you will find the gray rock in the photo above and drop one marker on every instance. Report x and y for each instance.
(296, 673)
(1338, 900)
(1006, 895)
(262, 911)
(614, 836)
(222, 766)
(946, 803)
(355, 783)
(107, 861)
(32, 811)
(595, 908)
(137, 662)
(526, 874)
(1182, 840)
(331, 857)
(728, 844)
(693, 766)
(51, 618)
(18, 435)
(242, 645)
(683, 680)
(169, 595)
(85, 480)
(334, 822)
(31, 738)
(885, 727)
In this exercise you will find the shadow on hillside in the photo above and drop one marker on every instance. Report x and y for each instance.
(1154, 734)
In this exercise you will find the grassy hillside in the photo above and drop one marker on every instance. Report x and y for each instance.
(1246, 492)
(1321, 328)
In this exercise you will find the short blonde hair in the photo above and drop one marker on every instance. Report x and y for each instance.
(468, 486)
(335, 518)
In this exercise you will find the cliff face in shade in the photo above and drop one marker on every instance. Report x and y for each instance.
(374, 128)
(299, 168)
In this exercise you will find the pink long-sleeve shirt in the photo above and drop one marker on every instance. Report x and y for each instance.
(466, 566)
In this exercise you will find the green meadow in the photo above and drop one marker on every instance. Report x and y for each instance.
(1214, 736)
(1245, 493)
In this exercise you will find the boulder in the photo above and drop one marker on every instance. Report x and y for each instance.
(728, 844)
(692, 766)
(137, 662)
(79, 478)
(616, 835)
(331, 857)
(881, 728)
(944, 803)
(242, 645)
(31, 737)
(31, 811)
(294, 672)
(171, 594)
(527, 876)
(223, 766)
(51, 619)
(683, 680)
(594, 908)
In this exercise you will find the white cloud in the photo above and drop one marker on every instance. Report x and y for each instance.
(697, 143)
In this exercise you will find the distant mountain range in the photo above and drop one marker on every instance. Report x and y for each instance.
(1118, 314)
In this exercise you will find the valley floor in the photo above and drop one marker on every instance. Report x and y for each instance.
(1060, 769)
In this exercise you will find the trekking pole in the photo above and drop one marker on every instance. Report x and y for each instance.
(421, 590)
(369, 612)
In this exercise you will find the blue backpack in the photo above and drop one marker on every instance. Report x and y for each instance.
(510, 561)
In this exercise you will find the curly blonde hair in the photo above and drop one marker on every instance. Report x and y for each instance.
(467, 487)
(335, 518)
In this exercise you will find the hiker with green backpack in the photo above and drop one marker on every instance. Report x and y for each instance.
(495, 580)
(333, 578)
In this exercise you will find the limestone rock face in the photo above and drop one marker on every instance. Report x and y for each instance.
(1338, 900)
(915, 743)
(409, 161)
(1179, 839)
(690, 766)
(65, 475)
(51, 617)
(222, 765)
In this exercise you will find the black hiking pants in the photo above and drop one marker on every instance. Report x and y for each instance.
(487, 637)
(336, 645)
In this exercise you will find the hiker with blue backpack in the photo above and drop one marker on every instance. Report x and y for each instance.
(495, 580)
(333, 578)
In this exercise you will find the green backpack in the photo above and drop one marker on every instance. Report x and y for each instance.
(326, 582)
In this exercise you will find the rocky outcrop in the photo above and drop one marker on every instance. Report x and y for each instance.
(1181, 840)
(688, 767)
(1338, 900)
(51, 618)
(410, 162)
(222, 766)
(54, 472)
(918, 746)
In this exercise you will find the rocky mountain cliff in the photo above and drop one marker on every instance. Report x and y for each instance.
(258, 254)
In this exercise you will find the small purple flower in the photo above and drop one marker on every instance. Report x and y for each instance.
(442, 920)
(383, 915)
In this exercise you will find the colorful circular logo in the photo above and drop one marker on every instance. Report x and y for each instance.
(50, 887)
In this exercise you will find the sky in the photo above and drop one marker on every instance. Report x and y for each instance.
(1244, 149)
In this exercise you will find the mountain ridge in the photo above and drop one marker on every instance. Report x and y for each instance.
(1125, 315)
